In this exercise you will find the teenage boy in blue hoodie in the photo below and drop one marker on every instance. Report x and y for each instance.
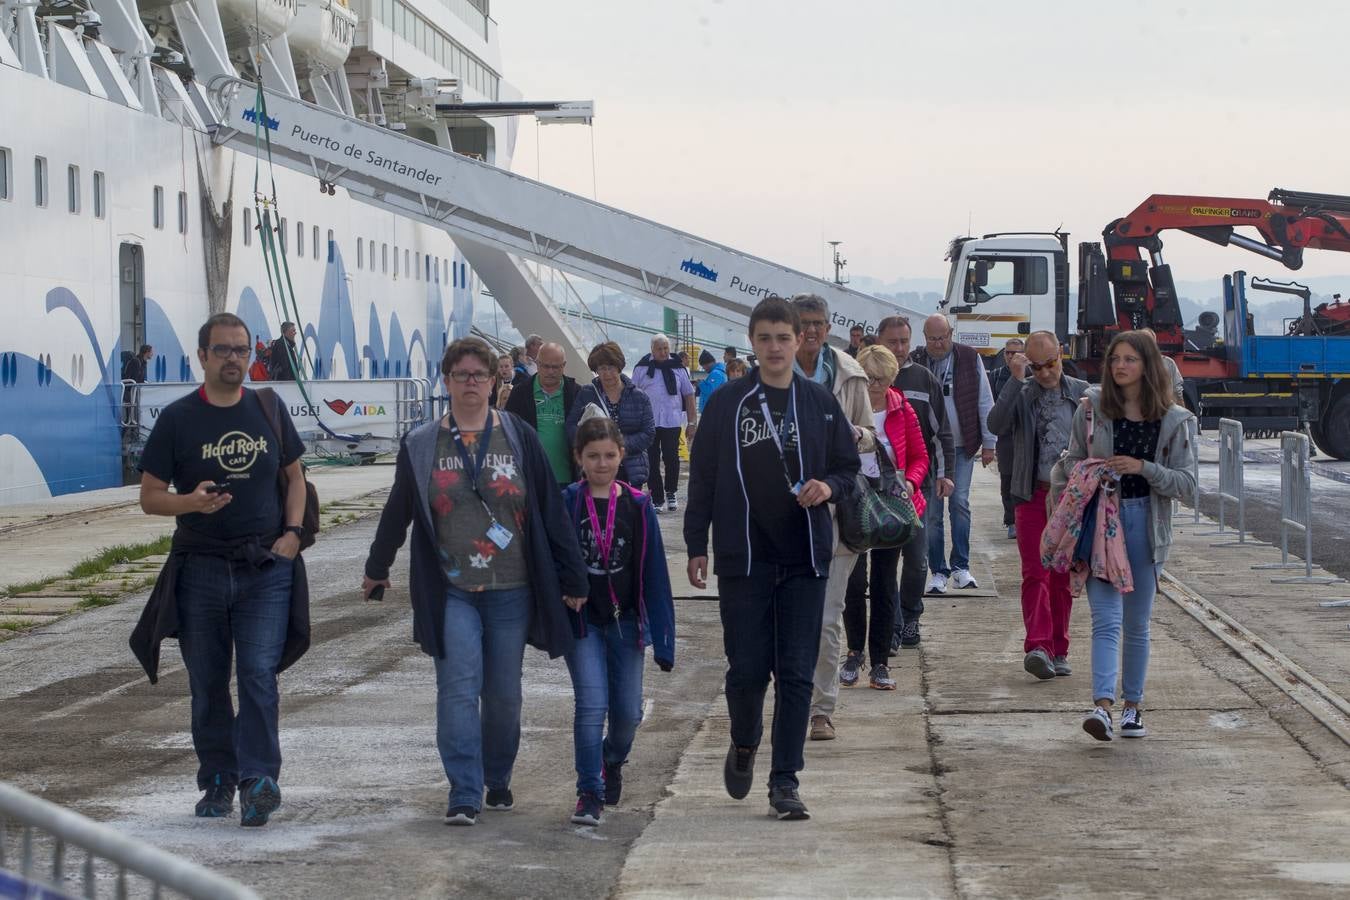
(773, 449)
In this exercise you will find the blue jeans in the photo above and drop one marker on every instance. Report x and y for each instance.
(230, 609)
(484, 647)
(1111, 609)
(959, 504)
(606, 669)
(771, 627)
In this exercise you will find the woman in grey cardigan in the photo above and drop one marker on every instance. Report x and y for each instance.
(1142, 435)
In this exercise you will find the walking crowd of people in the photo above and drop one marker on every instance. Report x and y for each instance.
(535, 504)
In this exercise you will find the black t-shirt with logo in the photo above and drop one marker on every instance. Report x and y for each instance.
(193, 441)
(622, 570)
(778, 526)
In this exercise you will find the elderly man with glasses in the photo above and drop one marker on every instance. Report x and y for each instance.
(1035, 412)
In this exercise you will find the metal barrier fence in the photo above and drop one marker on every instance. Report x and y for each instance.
(1230, 480)
(1296, 509)
(1193, 428)
(42, 824)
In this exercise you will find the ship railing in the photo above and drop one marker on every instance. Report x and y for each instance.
(36, 837)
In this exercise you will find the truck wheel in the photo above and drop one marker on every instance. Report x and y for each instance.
(1332, 433)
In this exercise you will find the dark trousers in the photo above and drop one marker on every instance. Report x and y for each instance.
(771, 627)
(665, 447)
(1003, 452)
(229, 610)
(882, 589)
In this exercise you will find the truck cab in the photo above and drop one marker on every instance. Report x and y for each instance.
(1007, 285)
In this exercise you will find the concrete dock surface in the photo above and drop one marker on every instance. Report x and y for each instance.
(973, 779)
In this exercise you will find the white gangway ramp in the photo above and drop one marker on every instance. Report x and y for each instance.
(494, 210)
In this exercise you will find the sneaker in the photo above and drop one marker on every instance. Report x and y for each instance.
(786, 805)
(613, 775)
(822, 729)
(672, 504)
(909, 634)
(461, 815)
(258, 799)
(1038, 663)
(1132, 723)
(657, 508)
(500, 799)
(1012, 532)
(1098, 724)
(848, 672)
(896, 642)
(218, 801)
(937, 583)
(963, 579)
(589, 809)
(879, 679)
(738, 772)
(1062, 666)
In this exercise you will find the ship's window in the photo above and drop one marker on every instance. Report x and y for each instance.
(40, 180)
(417, 266)
(281, 233)
(73, 189)
(360, 252)
(6, 173)
(100, 202)
(248, 227)
(384, 258)
(332, 246)
(299, 238)
(182, 212)
(158, 211)
(445, 271)
(407, 267)
(314, 242)
(396, 260)
(463, 275)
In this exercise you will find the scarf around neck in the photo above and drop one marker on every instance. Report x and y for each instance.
(667, 367)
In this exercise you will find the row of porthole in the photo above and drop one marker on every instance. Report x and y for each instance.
(9, 369)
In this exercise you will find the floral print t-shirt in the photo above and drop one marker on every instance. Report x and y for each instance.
(471, 560)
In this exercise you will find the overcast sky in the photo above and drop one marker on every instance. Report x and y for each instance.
(774, 125)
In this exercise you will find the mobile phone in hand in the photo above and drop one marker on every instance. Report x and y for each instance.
(376, 593)
(217, 488)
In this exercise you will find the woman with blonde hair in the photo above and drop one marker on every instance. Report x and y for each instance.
(1133, 426)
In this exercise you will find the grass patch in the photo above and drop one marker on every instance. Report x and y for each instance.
(108, 557)
(26, 587)
(94, 601)
(22, 625)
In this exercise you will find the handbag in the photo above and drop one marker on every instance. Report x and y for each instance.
(309, 522)
(880, 515)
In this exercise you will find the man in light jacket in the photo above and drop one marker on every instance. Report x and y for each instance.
(1035, 413)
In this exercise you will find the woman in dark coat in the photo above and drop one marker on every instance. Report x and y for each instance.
(613, 392)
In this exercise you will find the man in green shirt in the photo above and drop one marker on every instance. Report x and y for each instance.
(543, 402)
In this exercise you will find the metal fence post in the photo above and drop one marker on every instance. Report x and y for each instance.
(1296, 505)
(1230, 481)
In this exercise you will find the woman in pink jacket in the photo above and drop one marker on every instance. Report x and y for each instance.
(899, 437)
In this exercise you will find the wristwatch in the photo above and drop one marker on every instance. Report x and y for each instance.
(295, 530)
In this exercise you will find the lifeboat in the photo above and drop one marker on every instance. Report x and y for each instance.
(250, 22)
(321, 35)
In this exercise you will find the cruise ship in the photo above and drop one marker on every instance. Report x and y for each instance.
(123, 224)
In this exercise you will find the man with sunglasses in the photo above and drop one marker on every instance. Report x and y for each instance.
(234, 585)
(1034, 412)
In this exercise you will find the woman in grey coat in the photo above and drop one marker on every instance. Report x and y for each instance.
(613, 392)
(1140, 432)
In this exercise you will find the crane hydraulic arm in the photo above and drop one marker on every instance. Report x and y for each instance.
(1286, 223)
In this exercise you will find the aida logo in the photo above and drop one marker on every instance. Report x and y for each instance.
(343, 407)
(251, 116)
(698, 268)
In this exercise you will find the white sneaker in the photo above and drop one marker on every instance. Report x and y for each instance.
(963, 579)
(672, 504)
(937, 583)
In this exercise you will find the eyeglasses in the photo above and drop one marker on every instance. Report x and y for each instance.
(939, 339)
(551, 367)
(1048, 364)
(225, 351)
(813, 324)
(479, 377)
(878, 382)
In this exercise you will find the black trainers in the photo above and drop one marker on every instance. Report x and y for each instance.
(258, 799)
(879, 679)
(909, 634)
(589, 809)
(613, 775)
(461, 815)
(895, 643)
(785, 804)
(218, 801)
(1132, 723)
(499, 799)
(738, 773)
(850, 670)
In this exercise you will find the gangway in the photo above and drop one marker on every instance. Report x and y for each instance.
(498, 218)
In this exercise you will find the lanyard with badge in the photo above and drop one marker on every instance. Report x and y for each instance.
(604, 537)
(782, 432)
(498, 533)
